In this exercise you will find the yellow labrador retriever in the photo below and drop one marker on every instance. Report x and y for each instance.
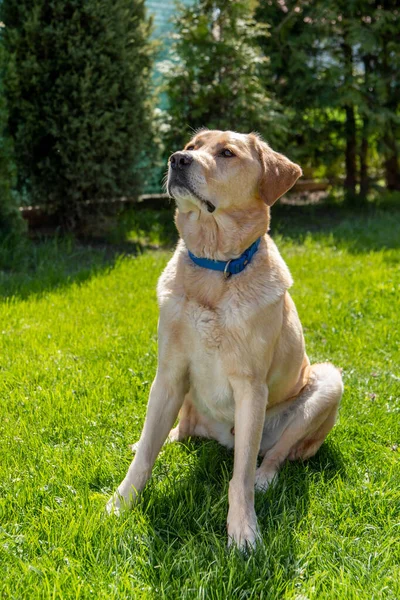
(231, 349)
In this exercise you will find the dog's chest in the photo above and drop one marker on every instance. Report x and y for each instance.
(211, 390)
(205, 327)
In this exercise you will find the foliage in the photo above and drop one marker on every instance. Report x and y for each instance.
(79, 352)
(334, 66)
(77, 87)
(10, 219)
(214, 78)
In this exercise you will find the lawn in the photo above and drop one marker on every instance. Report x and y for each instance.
(78, 354)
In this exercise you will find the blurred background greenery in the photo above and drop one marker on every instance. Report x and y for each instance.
(95, 94)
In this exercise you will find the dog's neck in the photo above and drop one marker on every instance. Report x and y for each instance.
(222, 235)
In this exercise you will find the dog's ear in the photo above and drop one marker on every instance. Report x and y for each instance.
(278, 174)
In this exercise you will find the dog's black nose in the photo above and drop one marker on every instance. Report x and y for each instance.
(180, 160)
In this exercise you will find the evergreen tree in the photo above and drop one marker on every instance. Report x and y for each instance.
(383, 59)
(11, 224)
(77, 87)
(214, 76)
(328, 60)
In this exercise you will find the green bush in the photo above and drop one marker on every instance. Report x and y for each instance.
(11, 223)
(77, 85)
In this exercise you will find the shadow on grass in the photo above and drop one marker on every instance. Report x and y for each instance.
(47, 263)
(367, 230)
(193, 508)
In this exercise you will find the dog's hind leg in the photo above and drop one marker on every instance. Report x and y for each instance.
(309, 418)
(192, 423)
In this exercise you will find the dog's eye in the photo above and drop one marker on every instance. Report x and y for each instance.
(227, 153)
(190, 148)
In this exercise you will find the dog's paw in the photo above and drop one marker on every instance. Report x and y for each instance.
(243, 534)
(173, 436)
(114, 505)
(264, 479)
(120, 502)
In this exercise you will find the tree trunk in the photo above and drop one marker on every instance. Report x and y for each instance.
(364, 180)
(351, 152)
(350, 128)
(391, 162)
(391, 158)
(364, 147)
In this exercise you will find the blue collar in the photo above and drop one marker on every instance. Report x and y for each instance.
(229, 267)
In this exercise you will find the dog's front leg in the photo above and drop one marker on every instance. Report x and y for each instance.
(251, 399)
(166, 398)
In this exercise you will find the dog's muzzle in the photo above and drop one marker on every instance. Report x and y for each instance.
(179, 163)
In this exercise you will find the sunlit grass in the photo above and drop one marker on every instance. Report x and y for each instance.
(78, 354)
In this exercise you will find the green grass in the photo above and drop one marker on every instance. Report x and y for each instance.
(78, 353)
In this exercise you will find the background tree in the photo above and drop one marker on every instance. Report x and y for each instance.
(313, 75)
(384, 60)
(77, 87)
(11, 224)
(328, 64)
(214, 76)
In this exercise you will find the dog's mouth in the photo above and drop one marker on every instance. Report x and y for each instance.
(179, 183)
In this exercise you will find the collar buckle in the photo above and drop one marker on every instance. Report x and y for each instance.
(227, 274)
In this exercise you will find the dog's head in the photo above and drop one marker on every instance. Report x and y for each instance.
(219, 170)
